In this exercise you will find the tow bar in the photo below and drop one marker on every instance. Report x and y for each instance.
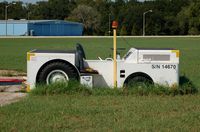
(10, 81)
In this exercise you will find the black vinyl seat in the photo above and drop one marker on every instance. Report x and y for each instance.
(79, 57)
(79, 60)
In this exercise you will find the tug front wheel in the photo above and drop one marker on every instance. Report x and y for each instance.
(138, 81)
(57, 72)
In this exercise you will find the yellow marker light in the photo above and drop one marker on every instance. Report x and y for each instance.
(29, 55)
(28, 88)
(114, 24)
(177, 53)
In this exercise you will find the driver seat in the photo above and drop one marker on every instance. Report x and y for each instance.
(79, 61)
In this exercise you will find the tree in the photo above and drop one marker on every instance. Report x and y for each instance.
(189, 22)
(193, 31)
(40, 10)
(123, 31)
(2, 10)
(16, 11)
(104, 8)
(88, 16)
(169, 17)
(60, 9)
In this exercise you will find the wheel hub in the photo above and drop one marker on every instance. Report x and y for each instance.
(57, 76)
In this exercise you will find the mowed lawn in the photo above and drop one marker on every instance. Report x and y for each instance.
(108, 112)
(102, 113)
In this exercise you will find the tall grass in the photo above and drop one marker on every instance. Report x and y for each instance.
(74, 87)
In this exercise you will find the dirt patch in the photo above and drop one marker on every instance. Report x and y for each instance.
(11, 73)
(11, 88)
(8, 98)
(11, 93)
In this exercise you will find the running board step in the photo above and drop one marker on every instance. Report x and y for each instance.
(89, 71)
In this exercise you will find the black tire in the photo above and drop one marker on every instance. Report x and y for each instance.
(66, 70)
(138, 81)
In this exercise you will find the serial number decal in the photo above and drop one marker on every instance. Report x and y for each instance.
(164, 67)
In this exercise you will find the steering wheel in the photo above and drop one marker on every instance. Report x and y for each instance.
(100, 58)
(109, 59)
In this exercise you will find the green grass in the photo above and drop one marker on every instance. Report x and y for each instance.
(74, 87)
(103, 110)
(102, 113)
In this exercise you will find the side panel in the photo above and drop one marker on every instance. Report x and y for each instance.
(19, 29)
(37, 60)
(3, 29)
(163, 74)
(105, 69)
(55, 29)
(13, 29)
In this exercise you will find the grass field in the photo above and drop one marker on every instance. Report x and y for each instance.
(103, 112)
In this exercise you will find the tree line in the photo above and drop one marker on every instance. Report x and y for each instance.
(169, 17)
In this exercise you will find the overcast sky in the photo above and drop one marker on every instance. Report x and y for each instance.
(25, 1)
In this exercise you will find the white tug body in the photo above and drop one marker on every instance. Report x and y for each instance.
(158, 66)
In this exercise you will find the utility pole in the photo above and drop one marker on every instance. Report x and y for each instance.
(6, 15)
(109, 19)
(144, 21)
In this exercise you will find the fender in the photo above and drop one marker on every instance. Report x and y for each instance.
(56, 60)
(138, 74)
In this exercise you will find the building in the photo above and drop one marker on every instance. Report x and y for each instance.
(40, 28)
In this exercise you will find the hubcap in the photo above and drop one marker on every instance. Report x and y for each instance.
(57, 76)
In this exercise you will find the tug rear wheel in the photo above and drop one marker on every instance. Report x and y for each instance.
(57, 72)
(56, 76)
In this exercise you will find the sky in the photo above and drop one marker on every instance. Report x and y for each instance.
(31, 1)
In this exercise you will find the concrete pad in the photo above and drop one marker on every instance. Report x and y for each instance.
(8, 98)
